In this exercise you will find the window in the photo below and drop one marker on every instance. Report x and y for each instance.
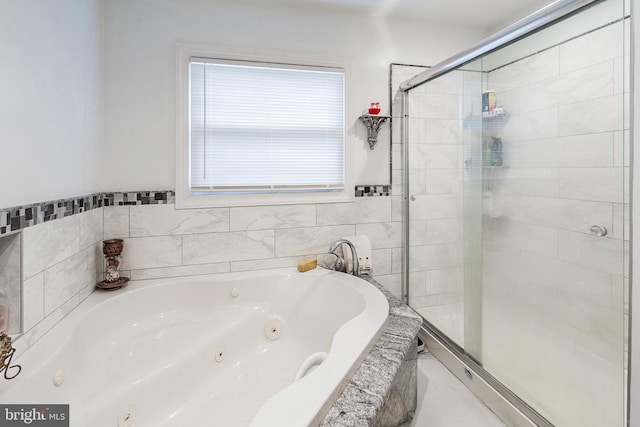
(260, 132)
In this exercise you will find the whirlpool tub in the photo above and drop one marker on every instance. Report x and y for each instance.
(269, 348)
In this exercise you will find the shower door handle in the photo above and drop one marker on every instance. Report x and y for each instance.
(598, 230)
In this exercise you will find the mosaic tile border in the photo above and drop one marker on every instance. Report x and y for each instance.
(373, 190)
(20, 217)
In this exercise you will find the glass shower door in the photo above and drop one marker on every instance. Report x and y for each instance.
(519, 214)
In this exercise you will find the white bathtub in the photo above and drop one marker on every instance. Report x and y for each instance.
(195, 352)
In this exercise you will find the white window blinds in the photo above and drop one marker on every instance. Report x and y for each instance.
(258, 127)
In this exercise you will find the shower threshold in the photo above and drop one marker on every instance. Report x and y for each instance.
(512, 410)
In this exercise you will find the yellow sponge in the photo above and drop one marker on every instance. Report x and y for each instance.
(307, 264)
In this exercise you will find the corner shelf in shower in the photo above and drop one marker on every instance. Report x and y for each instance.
(373, 124)
(489, 120)
(499, 116)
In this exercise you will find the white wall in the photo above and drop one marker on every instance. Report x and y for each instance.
(141, 37)
(51, 102)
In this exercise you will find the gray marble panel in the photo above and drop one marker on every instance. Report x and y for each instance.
(370, 389)
(67, 278)
(163, 220)
(223, 247)
(49, 243)
(10, 284)
(116, 222)
(91, 227)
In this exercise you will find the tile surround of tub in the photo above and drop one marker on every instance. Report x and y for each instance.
(161, 241)
(63, 259)
(10, 308)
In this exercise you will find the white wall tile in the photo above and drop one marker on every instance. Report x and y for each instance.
(33, 301)
(397, 208)
(592, 82)
(621, 148)
(221, 247)
(603, 254)
(418, 232)
(417, 284)
(416, 131)
(183, 270)
(418, 181)
(91, 227)
(535, 68)
(621, 221)
(598, 184)
(116, 222)
(397, 182)
(568, 214)
(602, 45)
(434, 257)
(396, 156)
(443, 231)
(35, 333)
(450, 83)
(447, 280)
(10, 282)
(435, 206)
(311, 240)
(397, 260)
(538, 96)
(151, 252)
(621, 77)
(393, 282)
(362, 210)
(381, 261)
(382, 235)
(533, 125)
(592, 116)
(272, 217)
(526, 237)
(162, 220)
(508, 98)
(65, 279)
(443, 131)
(433, 106)
(443, 181)
(541, 182)
(589, 150)
(49, 243)
(433, 156)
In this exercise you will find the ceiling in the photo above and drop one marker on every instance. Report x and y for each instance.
(488, 15)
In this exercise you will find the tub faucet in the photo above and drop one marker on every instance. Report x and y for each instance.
(340, 263)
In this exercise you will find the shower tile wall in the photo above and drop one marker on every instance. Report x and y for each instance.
(435, 159)
(552, 293)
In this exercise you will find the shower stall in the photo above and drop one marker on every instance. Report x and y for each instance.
(515, 179)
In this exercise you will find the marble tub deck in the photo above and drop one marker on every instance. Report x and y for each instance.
(371, 398)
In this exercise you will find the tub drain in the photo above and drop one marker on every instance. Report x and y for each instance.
(127, 416)
(273, 329)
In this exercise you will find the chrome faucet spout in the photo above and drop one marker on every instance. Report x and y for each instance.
(354, 256)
